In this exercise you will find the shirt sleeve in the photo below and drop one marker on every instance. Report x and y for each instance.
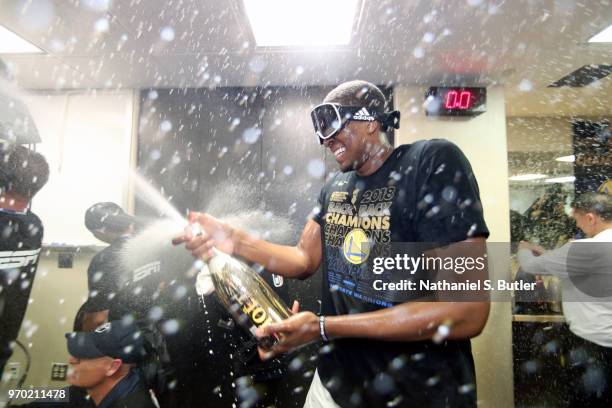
(549, 263)
(448, 206)
(318, 212)
(99, 284)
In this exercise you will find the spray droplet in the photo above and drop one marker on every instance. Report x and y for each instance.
(167, 34)
(97, 5)
(101, 25)
(428, 37)
(296, 364)
(57, 45)
(156, 313)
(449, 194)
(170, 327)
(466, 388)
(165, 126)
(155, 154)
(525, 85)
(251, 135)
(441, 334)
(235, 122)
(257, 64)
(316, 168)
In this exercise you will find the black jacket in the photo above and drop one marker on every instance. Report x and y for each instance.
(139, 398)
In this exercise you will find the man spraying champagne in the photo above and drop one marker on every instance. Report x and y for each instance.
(379, 354)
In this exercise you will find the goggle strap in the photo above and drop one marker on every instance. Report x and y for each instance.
(391, 120)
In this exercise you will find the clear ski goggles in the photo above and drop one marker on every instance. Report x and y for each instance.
(329, 119)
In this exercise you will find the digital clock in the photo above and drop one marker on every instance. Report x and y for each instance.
(455, 101)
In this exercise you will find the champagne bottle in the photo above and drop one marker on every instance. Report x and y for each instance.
(245, 294)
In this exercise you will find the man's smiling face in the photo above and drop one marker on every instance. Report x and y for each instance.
(349, 146)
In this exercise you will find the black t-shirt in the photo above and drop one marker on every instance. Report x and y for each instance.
(20, 242)
(424, 192)
(139, 398)
(156, 286)
(206, 348)
(103, 277)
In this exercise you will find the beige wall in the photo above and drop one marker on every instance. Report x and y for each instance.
(56, 296)
(483, 140)
(86, 138)
(540, 134)
(592, 100)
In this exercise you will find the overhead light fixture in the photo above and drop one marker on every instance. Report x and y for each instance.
(566, 159)
(304, 23)
(604, 36)
(564, 179)
(11, 43)
(527, 177)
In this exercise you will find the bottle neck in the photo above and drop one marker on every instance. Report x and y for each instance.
(215, 252)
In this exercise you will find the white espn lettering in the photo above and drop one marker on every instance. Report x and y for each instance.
(18, 259)
(146, 270)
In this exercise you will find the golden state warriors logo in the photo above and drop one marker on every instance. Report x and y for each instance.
(356, 248)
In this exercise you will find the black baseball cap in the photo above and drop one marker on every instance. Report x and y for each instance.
(107, 217)
(116, 339)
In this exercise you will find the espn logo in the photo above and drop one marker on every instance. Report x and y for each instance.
(146, 270)
(18, 259)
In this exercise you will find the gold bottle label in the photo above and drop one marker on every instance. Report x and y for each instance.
(246, 295)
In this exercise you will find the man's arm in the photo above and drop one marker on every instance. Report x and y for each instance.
(300, 261)
(415, 320)
(411, 321)
(548, 263)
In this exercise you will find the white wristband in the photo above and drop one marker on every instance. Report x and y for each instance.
(322, 328)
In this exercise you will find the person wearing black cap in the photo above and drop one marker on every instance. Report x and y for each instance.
(105, 363)
(23, 173)
(111, 224)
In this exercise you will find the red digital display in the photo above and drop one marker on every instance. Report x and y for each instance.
(458, 100)
(455, 101)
